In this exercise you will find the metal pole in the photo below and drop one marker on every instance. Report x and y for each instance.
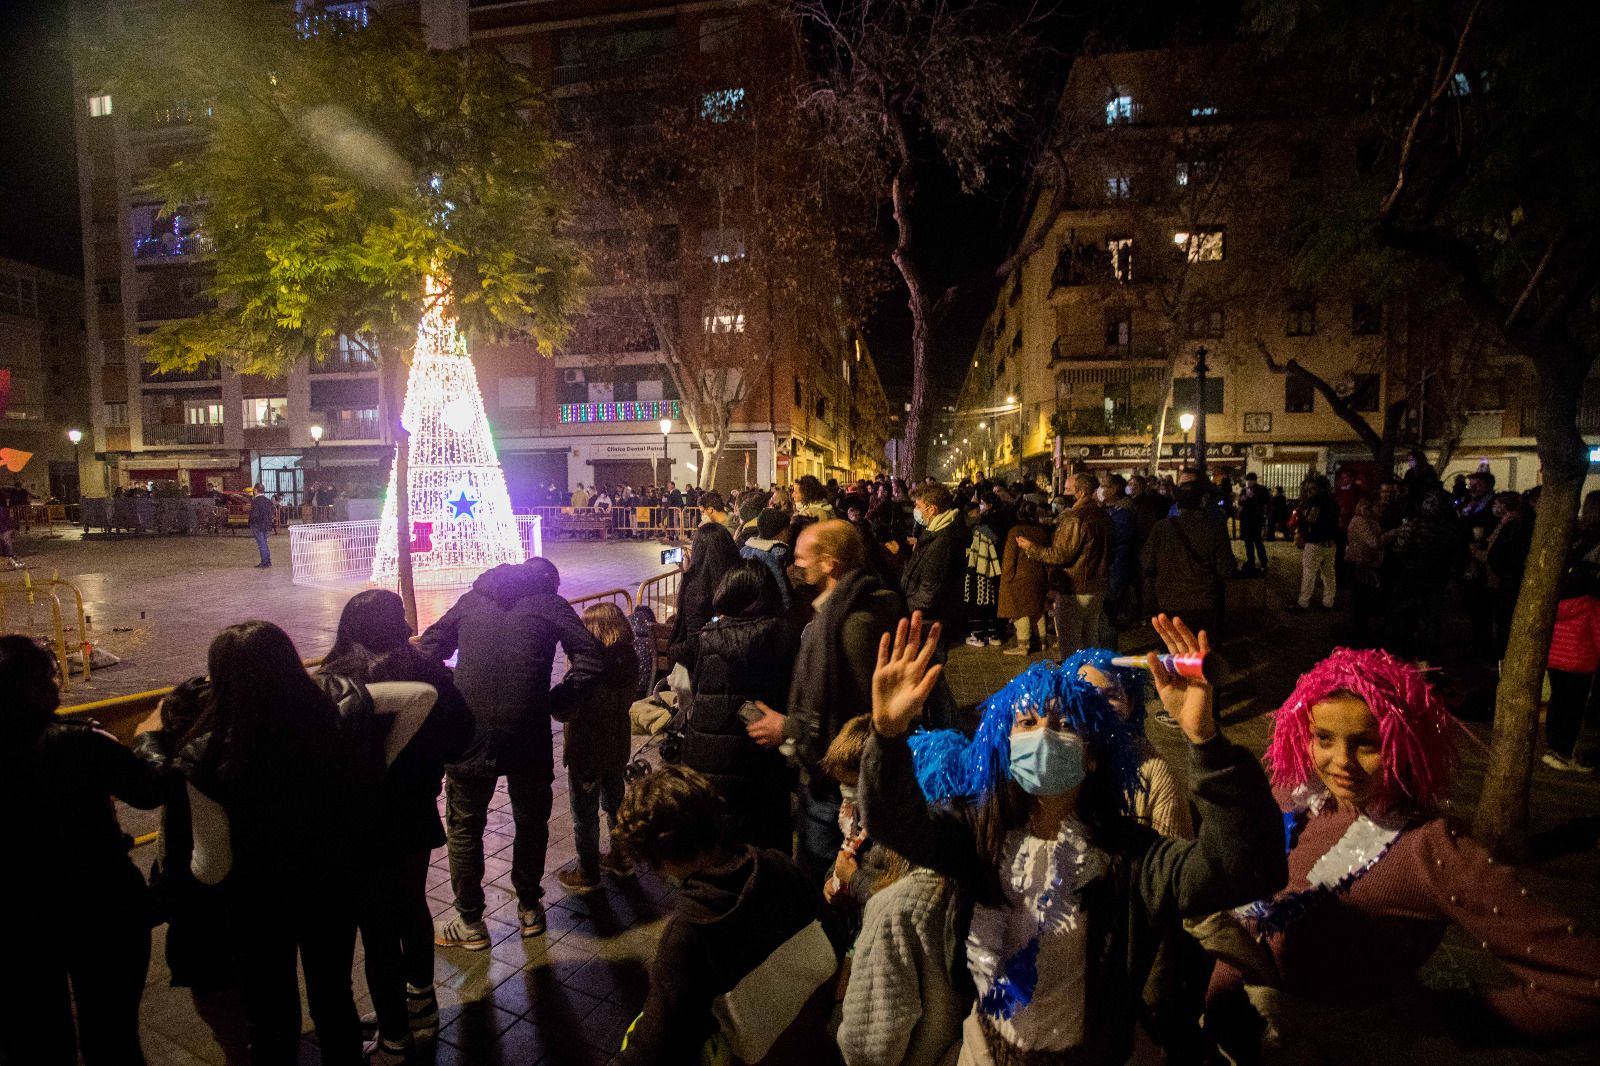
(1200, 412)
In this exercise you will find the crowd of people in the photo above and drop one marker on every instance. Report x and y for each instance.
(863, 871)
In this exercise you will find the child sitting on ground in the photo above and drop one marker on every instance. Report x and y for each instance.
(596, 748)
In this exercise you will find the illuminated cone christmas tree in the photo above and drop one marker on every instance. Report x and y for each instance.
(461, 522)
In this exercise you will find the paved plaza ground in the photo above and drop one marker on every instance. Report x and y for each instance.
(568, 997)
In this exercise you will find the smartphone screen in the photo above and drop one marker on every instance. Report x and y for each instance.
(671, 556)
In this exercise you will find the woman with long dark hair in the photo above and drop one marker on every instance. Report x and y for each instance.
(1064, 897)
(274, 798)
(80, 929)
(712, 553)
(372, 646)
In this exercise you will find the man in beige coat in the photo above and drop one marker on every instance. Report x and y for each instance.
(1081, 553)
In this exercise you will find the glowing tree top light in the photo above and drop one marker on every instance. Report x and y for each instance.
(461, 523)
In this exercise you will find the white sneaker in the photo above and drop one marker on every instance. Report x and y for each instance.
(1564, 764)
(975, 642)
(457, 932)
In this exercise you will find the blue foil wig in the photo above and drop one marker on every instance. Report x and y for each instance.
(949, 766)
(1126, 678)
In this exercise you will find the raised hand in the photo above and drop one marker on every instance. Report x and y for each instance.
(1189, 700)
(903, 680)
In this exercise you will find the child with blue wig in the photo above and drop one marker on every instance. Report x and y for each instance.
(1064, 896)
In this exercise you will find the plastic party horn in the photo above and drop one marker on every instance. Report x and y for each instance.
(1197, 666)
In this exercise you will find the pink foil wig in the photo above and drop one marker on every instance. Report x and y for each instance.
(1413, 726)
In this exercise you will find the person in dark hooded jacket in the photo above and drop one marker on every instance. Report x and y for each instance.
(712, 553)
(743, 656)
(719, 953)
(506, 628)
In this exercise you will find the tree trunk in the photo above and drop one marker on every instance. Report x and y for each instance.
(913, 457)
(393, 393)
(1501, 820)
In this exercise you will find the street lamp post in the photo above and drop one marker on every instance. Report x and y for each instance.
(76, 437)
(1200, 370)
(666, 456)
(1186, 423)
(316, 459)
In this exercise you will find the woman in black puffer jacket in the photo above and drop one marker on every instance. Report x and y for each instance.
(743, 655)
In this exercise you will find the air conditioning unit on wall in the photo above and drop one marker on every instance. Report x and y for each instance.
(572, 375)
(1261, 451)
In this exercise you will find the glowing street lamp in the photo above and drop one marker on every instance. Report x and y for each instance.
(1186, 423)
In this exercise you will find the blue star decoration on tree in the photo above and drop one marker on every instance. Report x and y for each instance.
(461, 506)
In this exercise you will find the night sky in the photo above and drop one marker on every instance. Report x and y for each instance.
(38, 161)
(967, 235)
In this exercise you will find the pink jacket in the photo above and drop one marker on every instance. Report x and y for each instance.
(1575, 644)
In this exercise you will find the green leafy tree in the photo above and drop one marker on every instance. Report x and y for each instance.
(1478, 171)
(341, 165)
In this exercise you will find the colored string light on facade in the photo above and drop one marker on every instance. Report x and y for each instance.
(620, 411)
(461, 518)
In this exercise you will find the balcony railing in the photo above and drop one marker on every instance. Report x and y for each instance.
(620, 411)
(1098, 422)
(345, 361)
(370, 428)
(171, 246)
(209, 371)
(162, 308)
(182, 433)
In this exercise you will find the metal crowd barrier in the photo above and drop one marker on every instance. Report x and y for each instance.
(660, 594)
(29, 593)
(627, 522)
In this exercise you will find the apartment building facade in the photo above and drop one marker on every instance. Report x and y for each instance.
(1189, 171)
(590, 414)
(42, 377)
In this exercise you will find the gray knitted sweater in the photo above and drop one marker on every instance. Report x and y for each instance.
(901, 1008)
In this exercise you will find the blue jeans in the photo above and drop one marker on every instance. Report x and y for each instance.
(819, 836)
(466, 815)
(588, 795)
(261, 544)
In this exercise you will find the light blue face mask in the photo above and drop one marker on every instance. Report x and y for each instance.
(1047, 762)
(918, 517)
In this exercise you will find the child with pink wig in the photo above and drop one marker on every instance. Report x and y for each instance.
(1360, 758)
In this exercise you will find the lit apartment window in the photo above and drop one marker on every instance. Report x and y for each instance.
(266, 411)
(116, 414)
(1117, 187)
(722, 245)
(1201, 245)
(1119, 328)
(100, 105)
(722, 319)
(1120, 250)
(1119, 109)
(721, 105)
(202, 412)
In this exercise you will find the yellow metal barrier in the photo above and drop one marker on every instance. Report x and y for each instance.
(660, 594)
(30, 593)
